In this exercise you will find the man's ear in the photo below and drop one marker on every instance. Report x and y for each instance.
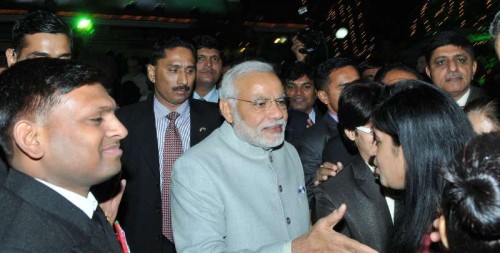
(151, 73)
(226, 110)
(26, 137)
(351, 134)
(428, 71)
(323, 97)
(474, 68)
(442, 231)
(11, 56)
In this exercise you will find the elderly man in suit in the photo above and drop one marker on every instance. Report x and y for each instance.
(156, 138)
(248, 194)
(61, 137)
(451, 66)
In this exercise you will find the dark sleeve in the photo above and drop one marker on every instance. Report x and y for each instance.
(325, 205)
(336, 150)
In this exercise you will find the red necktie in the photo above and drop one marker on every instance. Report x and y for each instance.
(172, 149)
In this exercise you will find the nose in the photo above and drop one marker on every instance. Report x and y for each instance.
(182, 78)
(452, 66)
(300, 91)
(117, 129)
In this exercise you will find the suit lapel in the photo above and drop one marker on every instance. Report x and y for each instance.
(199, 122)
(145, 138)
(367, 182)
(71, 218)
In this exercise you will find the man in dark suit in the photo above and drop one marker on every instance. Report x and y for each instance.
(60, 136)
(299, 87)
(172, 70)
(331, 77)
(369, 217)
(451, 66)
(37, 34)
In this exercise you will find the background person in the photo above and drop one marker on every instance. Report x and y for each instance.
(470, 219)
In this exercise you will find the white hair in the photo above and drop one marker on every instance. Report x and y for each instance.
(228, 88)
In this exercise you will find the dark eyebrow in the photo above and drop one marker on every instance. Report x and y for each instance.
(68, 55)
(37, 54)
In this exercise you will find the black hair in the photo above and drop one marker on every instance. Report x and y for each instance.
(382, 72)
(325, 68)
(448, 38)
(431, 128)
(205, 41)
(171, 43)
(34, 86)
(369, 64)
(357, 102)
(296, 71)
(39, 21)
(471, 197)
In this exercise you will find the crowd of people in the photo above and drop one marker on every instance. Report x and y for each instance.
(181, 157)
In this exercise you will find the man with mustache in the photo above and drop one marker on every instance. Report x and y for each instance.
(248, 193)
(208, 68)
(160, 129)
(451, 66)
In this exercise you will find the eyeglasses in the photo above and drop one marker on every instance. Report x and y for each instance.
(265, 104)
(363, 129)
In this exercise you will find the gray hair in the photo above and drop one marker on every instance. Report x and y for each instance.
(228, 89)
(495, 25)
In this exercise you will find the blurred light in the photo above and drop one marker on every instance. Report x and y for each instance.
(243, 49)
(277, 40)
(341, 33)
(84, 26)
(283, 39)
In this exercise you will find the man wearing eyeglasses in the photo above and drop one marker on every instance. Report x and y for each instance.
(242, 188)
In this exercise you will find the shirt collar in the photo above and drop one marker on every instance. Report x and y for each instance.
(334, 117)
(312, 116)
(87, 204)
(212, 95)
(463, 100)
(162, 111)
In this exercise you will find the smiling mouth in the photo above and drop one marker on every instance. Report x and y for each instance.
(274, 129)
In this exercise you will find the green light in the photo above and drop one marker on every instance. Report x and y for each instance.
(84, 24)
(478, 37)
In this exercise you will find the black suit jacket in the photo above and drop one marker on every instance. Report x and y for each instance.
(140, 210)
(3, 171)
(367, 218)
(475, 93)
(336, 150)
(310, 148)
(297, 124)
(35, 218)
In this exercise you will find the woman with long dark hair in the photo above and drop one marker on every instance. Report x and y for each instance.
(418, 129)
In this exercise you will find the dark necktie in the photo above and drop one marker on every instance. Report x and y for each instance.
(171, 151)
(105, 230)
